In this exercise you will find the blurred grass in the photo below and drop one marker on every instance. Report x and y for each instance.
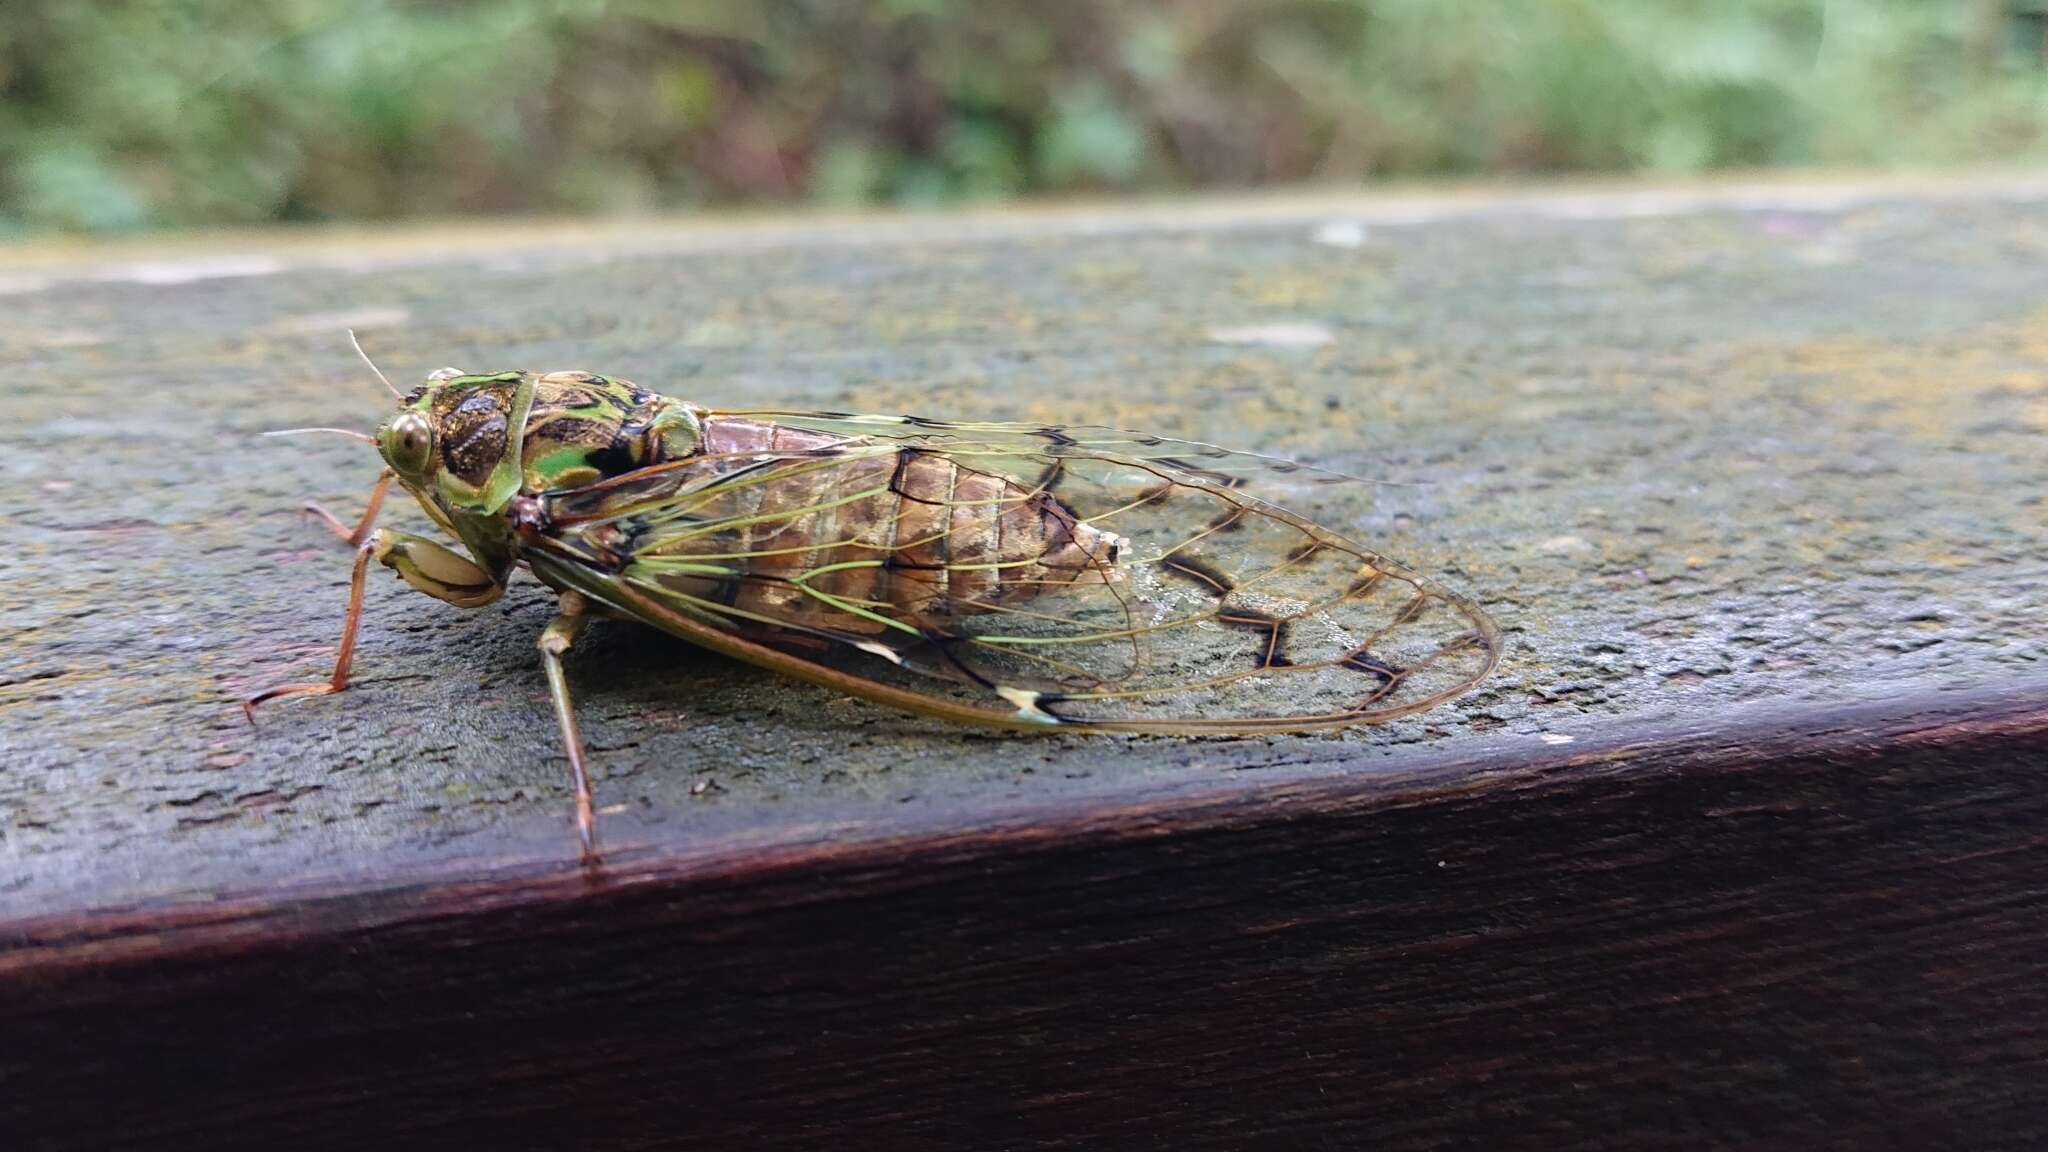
(120, 115)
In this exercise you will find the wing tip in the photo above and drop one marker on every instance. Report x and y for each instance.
(1029, 704)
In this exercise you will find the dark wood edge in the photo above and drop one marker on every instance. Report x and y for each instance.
(873, 856)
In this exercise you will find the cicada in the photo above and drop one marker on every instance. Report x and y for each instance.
(1052, 579)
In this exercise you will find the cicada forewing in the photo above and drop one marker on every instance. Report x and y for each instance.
(1023, 575)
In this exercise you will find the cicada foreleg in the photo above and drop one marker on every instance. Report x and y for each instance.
(356, 535)
(437, 570)
(555, 639)
(424, 564)
(350, 623)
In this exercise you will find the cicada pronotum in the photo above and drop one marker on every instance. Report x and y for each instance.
(1053, 579)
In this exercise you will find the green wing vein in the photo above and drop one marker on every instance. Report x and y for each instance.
(1202, 591)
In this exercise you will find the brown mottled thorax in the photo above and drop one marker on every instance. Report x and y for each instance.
(470, 429)
(585, 428)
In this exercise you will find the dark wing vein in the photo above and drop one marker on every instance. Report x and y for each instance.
(1225, 610)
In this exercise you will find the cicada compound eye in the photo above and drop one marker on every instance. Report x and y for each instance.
(408, 443)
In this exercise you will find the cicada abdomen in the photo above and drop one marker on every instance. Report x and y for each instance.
(841, 535)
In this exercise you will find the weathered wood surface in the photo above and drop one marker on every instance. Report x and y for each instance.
(1741, 843)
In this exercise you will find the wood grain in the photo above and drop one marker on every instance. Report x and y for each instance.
(1808, 931)
(1742, 847)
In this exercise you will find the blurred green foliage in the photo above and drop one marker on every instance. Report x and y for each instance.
(134, 114)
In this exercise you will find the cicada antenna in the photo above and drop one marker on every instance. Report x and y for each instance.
(349, 432)
(389, 386)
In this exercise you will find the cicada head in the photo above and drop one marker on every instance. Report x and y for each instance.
(453, 439)
(452, 443)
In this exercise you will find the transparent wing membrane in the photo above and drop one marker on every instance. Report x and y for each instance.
(1026, 575)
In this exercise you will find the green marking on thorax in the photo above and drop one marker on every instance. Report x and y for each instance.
(503, 483)
(557, 467)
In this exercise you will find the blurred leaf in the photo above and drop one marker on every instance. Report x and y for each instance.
(613, 190)
(688, 91)
(1678, 146)
(904, 9)
(1090, 139)
(71, 186)
(985, 158)
(702, 17)
(1152, 50)
(847, 173)
(921, 184)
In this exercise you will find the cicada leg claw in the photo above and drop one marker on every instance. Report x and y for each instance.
(350, 624)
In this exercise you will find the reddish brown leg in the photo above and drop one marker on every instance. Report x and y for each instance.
(356, 535)
(339, 680)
